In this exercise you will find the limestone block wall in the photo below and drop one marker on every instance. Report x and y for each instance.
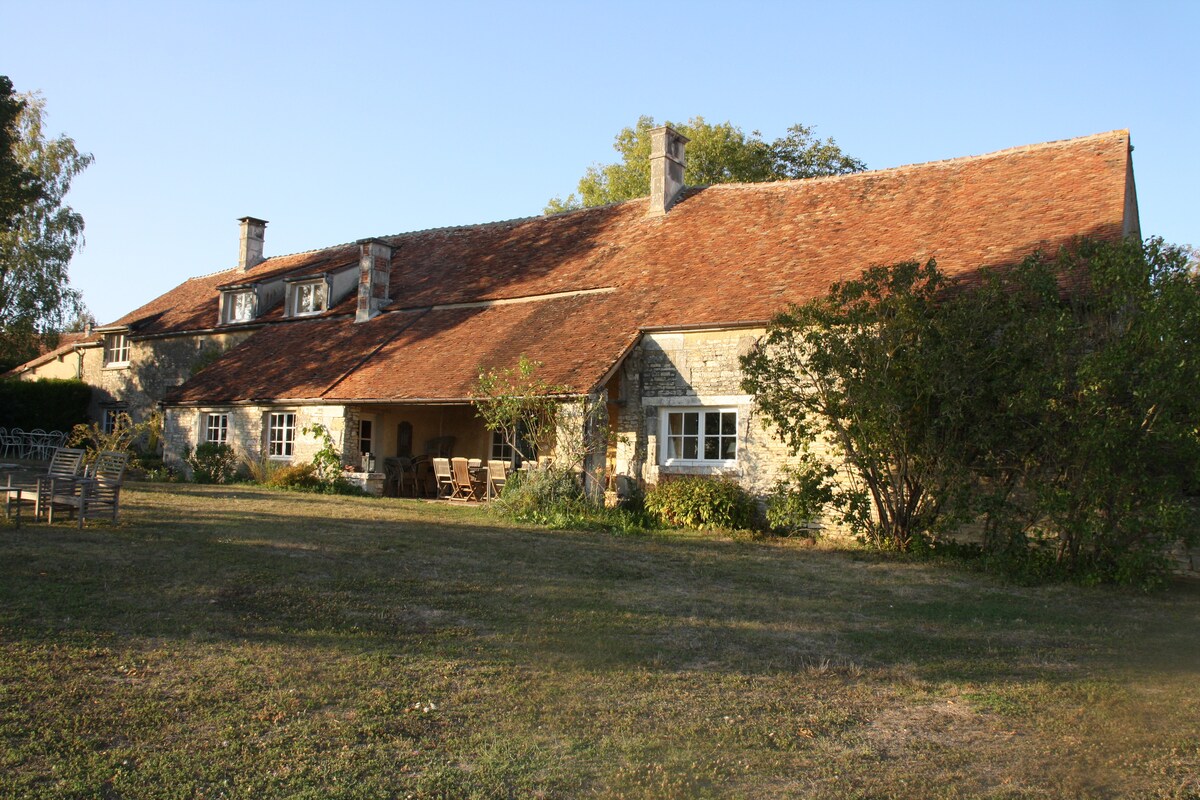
(183, 429)
(155, 366)
(690, 370)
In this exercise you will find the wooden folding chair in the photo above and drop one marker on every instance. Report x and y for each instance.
(100, 492)
(464, 487)
(497, 474)
(60, 482)
(443, 477)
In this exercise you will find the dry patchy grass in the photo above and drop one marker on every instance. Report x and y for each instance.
(244, 643)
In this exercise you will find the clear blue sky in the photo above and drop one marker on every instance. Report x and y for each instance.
(341, 121)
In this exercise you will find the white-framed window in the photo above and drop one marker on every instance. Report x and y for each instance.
(216, 428)
(116, 350)
(308, 298)
(111, 419)
(699, 435)
(366, 431)
(239, 306)
(502, 449)
(281, 434)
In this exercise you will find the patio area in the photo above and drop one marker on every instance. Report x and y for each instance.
(427, 451)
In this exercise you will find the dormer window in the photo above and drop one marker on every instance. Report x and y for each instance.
(307, 297)
(116, 350)
(237, 306)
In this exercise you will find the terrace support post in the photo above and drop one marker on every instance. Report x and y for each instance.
(595, 441)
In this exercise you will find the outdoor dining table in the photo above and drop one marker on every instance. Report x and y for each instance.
(481, 474)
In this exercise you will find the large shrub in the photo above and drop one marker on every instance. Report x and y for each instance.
(125, 436)
(546, 496)
(1052, 418)
(49, 404)
(798, 500)
(295, 476)
(213, 463)
(701, 502)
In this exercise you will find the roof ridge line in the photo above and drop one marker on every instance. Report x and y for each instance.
(787, 182)
(464, 226)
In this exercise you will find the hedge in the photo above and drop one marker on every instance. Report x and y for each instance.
(50, 404)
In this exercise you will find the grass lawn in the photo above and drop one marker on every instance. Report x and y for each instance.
(245, 643)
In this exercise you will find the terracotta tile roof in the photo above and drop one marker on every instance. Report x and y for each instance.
(193, 304)
(411, 355)
(66, 343)
(723, 254)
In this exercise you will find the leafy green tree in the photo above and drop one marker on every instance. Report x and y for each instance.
(720, 153)
(18, 185)
(1119, 464)
(870, 368)
(521, 405)
(36, 299)
(1054, 402)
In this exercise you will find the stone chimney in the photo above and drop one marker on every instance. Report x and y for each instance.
(250, 251)
(374, 272)
(666, 169)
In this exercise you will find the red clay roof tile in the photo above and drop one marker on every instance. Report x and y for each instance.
(723, 254)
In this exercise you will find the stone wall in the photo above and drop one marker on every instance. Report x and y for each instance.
(183, 429)
(155, 366)
(689, 370)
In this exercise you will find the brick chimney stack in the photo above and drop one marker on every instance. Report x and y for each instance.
(374, 273)
(250, 252)
(666, 168)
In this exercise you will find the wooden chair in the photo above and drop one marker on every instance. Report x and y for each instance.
(464, 488)
(443, 477)
(426, 486)
(61, 480)
(15, 495)
(497, 474)
(391, 477)
(100, 492)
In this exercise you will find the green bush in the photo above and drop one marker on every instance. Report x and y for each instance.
(554, 497)
(213, 463)
(800, 497)
(306, 477)
(47, 403)
(295, 476)
(701, 502)
(547, 496)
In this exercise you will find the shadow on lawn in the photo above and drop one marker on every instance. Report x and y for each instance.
(378, 576)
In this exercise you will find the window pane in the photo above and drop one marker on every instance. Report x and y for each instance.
(675, 424)
(243, 306)
(690, 448)
(691, 423)
(729, 446)
(281, 430)
(712, 450)
(712, 424)
(217, 428)
(729, 423)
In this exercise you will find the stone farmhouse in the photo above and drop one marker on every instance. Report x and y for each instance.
(642, 306)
